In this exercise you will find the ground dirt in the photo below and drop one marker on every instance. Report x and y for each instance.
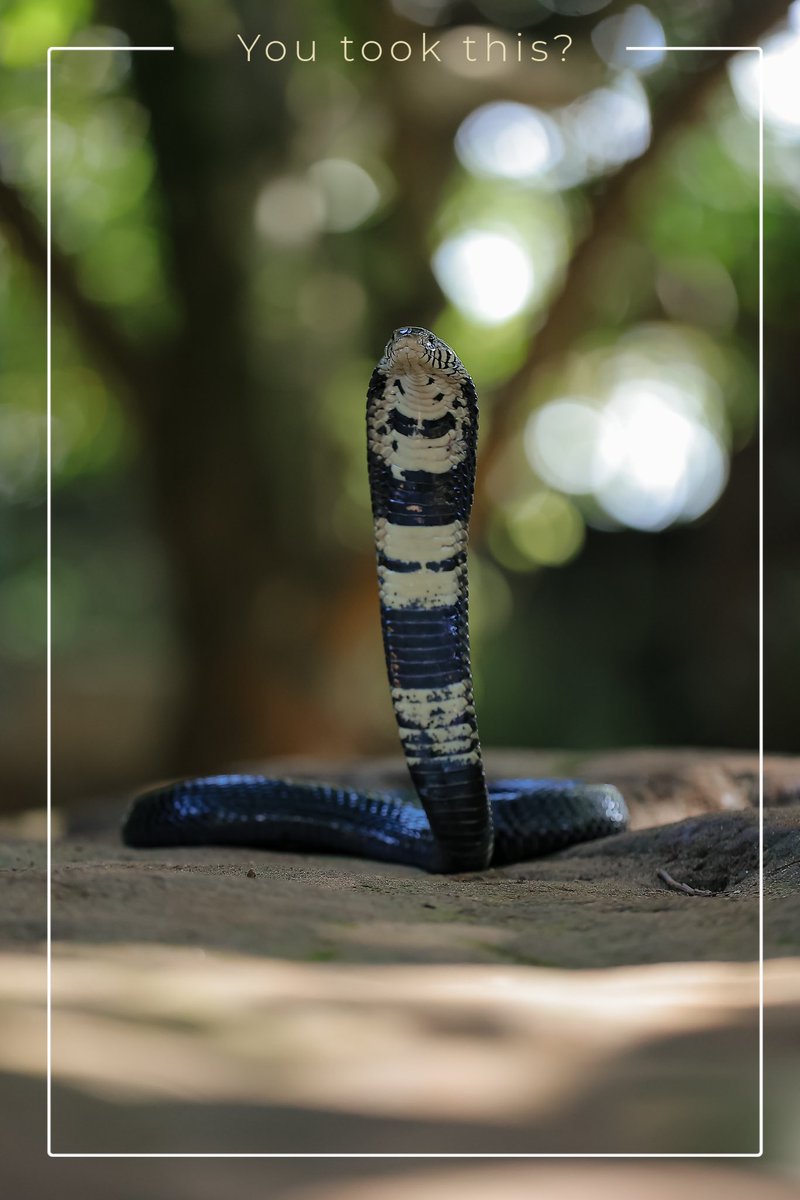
(601, 1000)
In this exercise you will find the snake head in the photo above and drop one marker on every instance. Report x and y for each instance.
(414, 348)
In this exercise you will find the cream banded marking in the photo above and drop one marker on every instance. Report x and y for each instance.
(440, 741)
(420, 403)
(420, 543)
(406, 452)
(441, 733)
(452, 760)
(423, 588)
(432, 708)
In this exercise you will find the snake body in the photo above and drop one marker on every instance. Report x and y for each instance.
(422, 420)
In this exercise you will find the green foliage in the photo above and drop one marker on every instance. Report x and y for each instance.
(676, 291)
(29, 26)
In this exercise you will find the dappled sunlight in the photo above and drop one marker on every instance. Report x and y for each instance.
(235, 237)
(543, 528)
(447, 1042)
(563, 441)
(335, 194)
(289, 211)
(558, 149)
(489, 275)
(500, 257)
(349, 193)
(637, 26)
(649, 442)
(781, 65)
(663, 465)
(609, 125)
(507, 140)
(698, 289)
(22, 452)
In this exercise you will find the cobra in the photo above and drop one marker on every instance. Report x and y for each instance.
(422, 424)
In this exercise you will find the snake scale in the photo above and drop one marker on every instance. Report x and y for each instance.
(422, 422)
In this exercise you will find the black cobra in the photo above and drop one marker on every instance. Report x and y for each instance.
(422, 421)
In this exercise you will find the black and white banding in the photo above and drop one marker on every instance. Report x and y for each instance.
(422, 417)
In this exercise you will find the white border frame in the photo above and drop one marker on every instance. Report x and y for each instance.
(749, 1154)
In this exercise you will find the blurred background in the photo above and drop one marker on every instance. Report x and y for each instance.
(235, 240)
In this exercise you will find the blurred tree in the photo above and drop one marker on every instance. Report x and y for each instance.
(229, 385)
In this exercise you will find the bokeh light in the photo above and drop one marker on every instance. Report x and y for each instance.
(289, 211)
(637, 26)
(486, 164)
(649, 444)
(564, 441)
(349, 194)
(546, 528)
(609, 125)
(28, 27)
(507, 140)
(22, 452)
(559, 149)
(779, 70)
(698, 289)
(335, 194)
(488, 275)
(664, 465)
